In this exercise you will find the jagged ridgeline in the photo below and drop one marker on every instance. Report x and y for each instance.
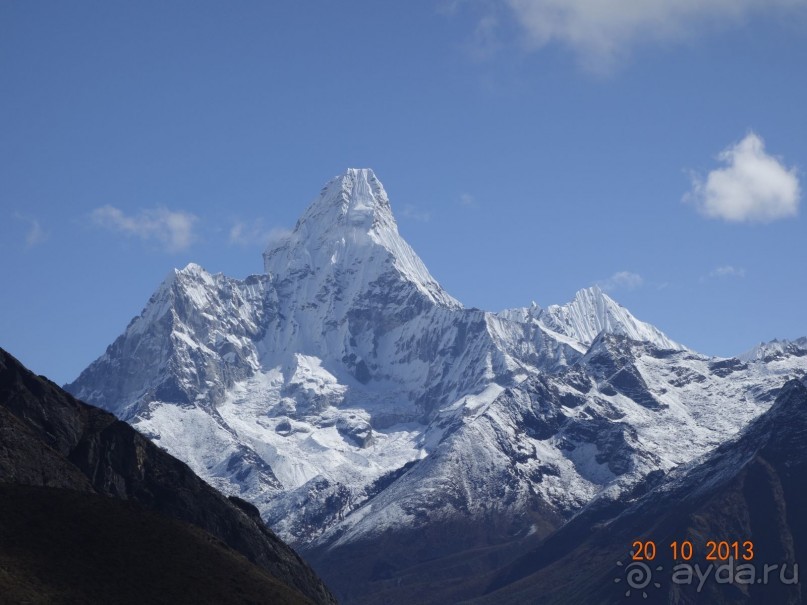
(377, 423)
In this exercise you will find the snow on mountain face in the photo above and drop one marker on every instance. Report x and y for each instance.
(344, 392)
(626, 409)
(346, 242)
(195, 336)
(350, 290)
(776, 349)
(345, 336)
(591, 312)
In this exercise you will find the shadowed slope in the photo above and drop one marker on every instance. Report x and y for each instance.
(50, 439)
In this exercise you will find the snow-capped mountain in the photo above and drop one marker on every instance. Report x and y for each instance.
(776, 349)
(590, 313)
(350, 398)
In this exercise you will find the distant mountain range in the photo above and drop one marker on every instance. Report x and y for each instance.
(411, 447)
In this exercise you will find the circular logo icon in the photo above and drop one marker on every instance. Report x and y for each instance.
(638, 576)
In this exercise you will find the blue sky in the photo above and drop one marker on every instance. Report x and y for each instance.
(529, 147)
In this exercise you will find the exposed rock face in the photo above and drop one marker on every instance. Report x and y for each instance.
(50, 439)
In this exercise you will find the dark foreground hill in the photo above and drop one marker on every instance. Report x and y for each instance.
(62, 546)
(92, 512)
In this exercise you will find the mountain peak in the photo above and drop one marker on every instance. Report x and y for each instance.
(766, 351)
(594, 297)
(592, 311)
(348, 234)
(354, 199)
(350, 208)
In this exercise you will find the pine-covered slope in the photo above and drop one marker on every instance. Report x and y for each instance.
(351, 399)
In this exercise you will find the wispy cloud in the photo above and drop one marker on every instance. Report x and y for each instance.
(171, 229)
(279, 236)
(728, 271)
(602, 34)
(621, 280)
(486, 41)
(412, 212)
(255, 234)
(723, 272)
(752, 186)
(35, 234)
(449, 7)
(466, 199)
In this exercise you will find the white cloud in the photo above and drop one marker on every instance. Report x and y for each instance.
(723, 272)
(728, 271)
(449, 7)
(36, 234)
(172, 229)
(411, 212)
(752, 187)
(621, 280)
(466, 199)
(485, 37)
(255, 234)
(603, 32)
(278, 236)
